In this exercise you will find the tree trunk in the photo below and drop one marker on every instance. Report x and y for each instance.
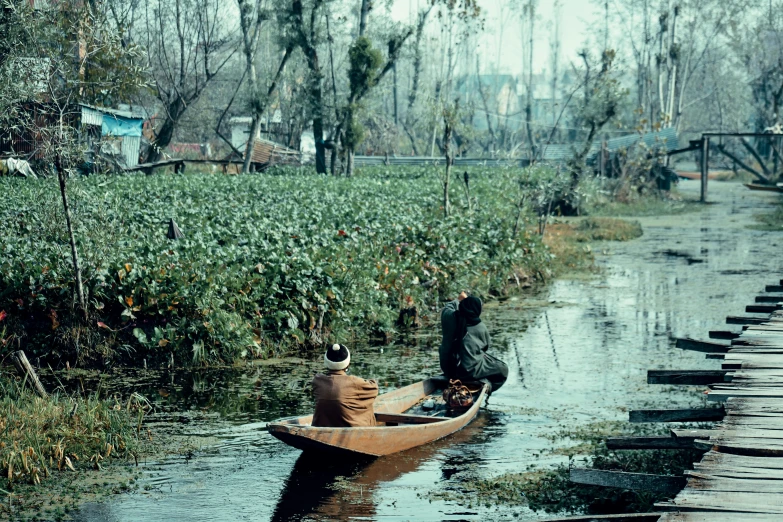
(308, 45)
(364, 16)
(61, 176)
(529, 105)
(672, 61)
(396, 98)
(251, 143)
(447, 132)
(250, 32)
(166, 133)
(662, 30)
(349, 165)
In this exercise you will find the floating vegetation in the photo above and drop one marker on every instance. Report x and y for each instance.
(267, 263)
(552, 491)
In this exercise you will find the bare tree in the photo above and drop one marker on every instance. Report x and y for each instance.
(252, 16)
(188, 44)
(529, 9)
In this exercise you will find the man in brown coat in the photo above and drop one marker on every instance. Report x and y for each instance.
(342, 400)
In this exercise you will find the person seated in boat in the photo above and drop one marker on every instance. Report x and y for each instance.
(342, 400)
(463, 351)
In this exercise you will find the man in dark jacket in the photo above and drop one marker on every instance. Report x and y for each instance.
(342, 400)
(465, 343)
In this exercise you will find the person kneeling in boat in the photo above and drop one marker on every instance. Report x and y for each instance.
(463, 352)
(342, 400)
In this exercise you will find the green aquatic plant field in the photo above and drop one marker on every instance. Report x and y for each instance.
(268, 262)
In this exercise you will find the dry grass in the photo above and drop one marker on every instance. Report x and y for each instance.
(569, 241)
(40, 438)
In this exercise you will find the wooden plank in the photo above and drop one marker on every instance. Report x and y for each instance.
(761, 309)
(649, 442)
(769, 299)
(699, 377)
(720, 433)
(667, 484)
(728, 460)
(28, 372)
(740, 319)
(629, 517)
(756, 342)
(712, 516)
(742, 446)
(693, 434)
(774, 288)
(700, 481)
(701, 346)
(739, 473)
(739, 384)
(722, 395)
(723, 334)
(684, 415)
(691, 499)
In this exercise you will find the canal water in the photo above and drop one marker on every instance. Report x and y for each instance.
(577, 357)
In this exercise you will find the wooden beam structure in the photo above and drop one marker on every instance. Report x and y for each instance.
(685, 415)
(705, 166)
(630, 517)
(723, 334)
(647, 443)
(769, 299)
(700, 377)
(739, 319)
(761, 309)
(667, 484)
(701, 346)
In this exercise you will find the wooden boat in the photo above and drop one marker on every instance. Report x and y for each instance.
(398, 428)
(757, 186)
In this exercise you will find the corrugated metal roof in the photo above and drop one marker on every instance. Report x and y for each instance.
(114, 112)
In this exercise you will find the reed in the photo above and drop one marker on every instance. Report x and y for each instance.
(41, 438)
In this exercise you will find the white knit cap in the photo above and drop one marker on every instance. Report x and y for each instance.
(337, 357)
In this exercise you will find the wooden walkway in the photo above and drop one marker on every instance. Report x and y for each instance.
(741, 475)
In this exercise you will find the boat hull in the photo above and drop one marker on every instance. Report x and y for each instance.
(376, 441)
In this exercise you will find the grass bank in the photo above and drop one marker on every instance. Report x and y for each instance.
(46, 444)
(772, 220)
(621, 198)
(269, 264)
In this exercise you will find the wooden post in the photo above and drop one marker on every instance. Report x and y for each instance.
(27, 371)
(602, 159)
(705, 167)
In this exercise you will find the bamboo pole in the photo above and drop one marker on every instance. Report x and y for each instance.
(27, 371)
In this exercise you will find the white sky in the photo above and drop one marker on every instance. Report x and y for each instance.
(576, 17)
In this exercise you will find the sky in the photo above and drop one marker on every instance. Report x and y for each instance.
(576, 17)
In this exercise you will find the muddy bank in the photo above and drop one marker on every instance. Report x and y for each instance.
(581, 359)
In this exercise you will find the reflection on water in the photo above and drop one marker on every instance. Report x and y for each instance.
(582, 359)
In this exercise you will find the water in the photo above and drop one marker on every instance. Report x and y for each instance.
(580, 360)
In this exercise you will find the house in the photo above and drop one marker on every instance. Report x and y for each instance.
(240, 128)
(112, 132)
